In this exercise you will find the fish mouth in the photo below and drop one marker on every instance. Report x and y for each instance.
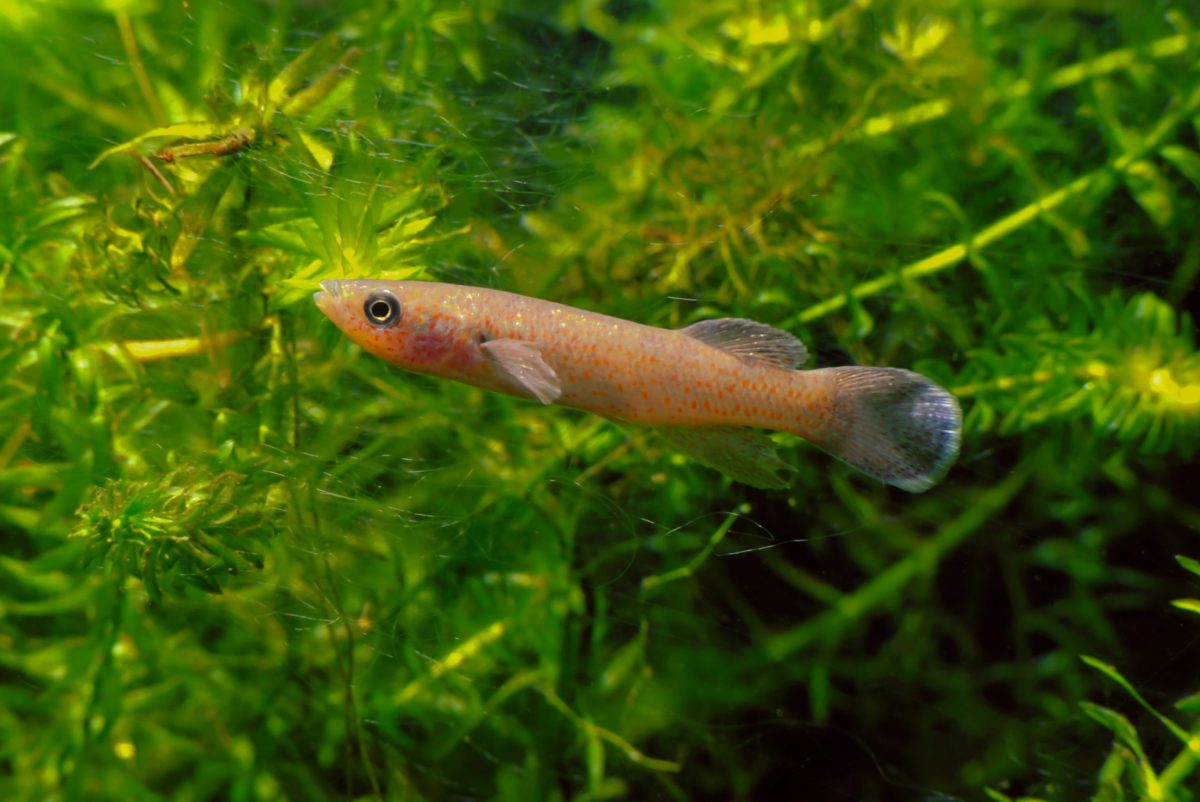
(327, 294)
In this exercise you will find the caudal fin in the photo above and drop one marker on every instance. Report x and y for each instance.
(899, 426)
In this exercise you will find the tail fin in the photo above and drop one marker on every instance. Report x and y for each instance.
(899, 426)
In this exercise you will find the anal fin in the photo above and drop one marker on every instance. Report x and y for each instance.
(743, 455)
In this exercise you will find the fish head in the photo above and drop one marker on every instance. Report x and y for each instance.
(400, 321)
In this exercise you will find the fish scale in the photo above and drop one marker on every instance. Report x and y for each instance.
(707, 387)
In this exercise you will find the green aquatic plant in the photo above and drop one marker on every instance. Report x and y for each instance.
(1129, 771)
(172, 527)
(1130, 366)
(240, 559)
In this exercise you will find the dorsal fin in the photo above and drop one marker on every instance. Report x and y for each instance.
(750, 341)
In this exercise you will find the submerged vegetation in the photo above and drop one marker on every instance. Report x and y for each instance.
(242, 560)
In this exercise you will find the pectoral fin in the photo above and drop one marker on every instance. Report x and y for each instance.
(742, 454)
(522, 365)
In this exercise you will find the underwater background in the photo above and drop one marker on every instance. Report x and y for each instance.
(242, 560)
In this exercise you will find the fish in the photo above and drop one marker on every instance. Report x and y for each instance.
(712, 389)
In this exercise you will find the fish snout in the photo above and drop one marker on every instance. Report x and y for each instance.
(328, 294)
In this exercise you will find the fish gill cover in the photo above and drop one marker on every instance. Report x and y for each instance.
(239, 559)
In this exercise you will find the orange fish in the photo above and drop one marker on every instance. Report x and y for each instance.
(707, 387)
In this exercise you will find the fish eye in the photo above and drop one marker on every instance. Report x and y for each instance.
(381, 308)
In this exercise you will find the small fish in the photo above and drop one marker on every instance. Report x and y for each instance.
(707, 388)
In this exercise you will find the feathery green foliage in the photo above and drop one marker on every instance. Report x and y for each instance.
(239, 559)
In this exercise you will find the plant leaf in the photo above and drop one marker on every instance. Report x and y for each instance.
(1184, 160)
(197, 213)
(1152, 191)
(1189, 563)
(177, 131)
(1111, 672)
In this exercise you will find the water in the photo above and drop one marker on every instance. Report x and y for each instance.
(242, 559)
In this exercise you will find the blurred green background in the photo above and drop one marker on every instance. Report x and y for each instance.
(241, 560)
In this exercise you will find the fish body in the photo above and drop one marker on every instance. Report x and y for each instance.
(707, 387)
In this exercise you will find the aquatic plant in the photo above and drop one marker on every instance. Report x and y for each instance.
(242, 560)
